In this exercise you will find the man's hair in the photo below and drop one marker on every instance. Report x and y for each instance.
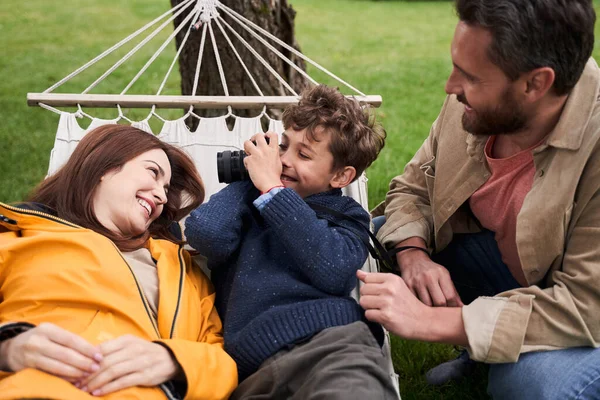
(530, 34)
(70, 191)
(356, 138)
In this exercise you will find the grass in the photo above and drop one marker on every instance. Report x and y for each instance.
(389, 48)
(399, 50)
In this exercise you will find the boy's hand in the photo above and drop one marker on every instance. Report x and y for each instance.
(387, 300)
(262, 161)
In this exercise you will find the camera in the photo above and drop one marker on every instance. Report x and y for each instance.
(230, 165)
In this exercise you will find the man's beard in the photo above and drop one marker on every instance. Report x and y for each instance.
(504, 119)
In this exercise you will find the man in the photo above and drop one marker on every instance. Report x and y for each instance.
(505, 193)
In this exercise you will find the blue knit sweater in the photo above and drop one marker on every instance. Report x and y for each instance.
(282, 274)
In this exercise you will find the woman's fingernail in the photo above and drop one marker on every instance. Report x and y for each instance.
(98, 357)
(77, 384)
(84, 388)
(95, 367)
(96, 392)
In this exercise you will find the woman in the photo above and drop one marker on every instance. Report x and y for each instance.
(97, 296)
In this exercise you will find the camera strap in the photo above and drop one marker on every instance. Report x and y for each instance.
(376, 249)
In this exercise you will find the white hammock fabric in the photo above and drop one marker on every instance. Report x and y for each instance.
(212, 134)
(202, 145)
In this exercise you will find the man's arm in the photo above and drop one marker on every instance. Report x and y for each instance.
(388, 301)
(562, 315)
(409, 222)
(407, 204)
(498, 329)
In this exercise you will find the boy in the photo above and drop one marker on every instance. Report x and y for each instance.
(283, 273)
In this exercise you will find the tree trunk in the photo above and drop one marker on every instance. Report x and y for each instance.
(276, 17)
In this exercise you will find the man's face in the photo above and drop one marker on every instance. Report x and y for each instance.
(492, 106)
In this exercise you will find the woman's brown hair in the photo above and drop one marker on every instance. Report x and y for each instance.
(70, 191)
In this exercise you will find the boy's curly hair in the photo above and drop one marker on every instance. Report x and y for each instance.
(356, 138)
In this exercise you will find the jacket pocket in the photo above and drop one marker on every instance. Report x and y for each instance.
(107, 326)
(95, 326)
(75, 319)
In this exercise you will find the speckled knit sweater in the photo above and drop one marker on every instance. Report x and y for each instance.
(281, 275)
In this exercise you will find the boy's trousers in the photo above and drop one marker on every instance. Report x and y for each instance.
(343, 362)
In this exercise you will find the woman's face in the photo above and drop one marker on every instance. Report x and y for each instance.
(129, 199)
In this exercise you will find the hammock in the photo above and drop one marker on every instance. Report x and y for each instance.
(212, 134)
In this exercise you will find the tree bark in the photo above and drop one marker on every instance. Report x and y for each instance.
(276, 17)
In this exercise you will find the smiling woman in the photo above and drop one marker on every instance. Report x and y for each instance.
(114, 169)
(146, 180)
(97, 295)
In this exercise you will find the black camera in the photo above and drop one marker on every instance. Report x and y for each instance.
(230, 165)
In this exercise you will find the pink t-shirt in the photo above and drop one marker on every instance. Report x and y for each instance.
(497, 203)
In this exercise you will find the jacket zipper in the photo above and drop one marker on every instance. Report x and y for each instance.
(64, 222)
(140, 291)
(40, 214)
(180, 292)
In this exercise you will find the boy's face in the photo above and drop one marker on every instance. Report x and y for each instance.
(307, 164)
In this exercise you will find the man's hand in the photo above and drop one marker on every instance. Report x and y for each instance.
(51, 349)
(429, 281)
(388, 301)
(131, 361)
(262, 161)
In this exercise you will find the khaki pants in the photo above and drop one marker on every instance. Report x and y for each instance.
(343, 362)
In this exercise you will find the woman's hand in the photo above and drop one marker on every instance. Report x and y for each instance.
(131, 361)
(51, 349)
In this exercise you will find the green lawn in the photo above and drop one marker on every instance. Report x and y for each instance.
(399, 50)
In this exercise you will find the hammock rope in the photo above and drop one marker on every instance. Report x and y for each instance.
(183, 42)
(113, 48)
(218, 59)
(261, 59)
(289, 48)
(274, 50)
(199, 62)
(239, 58)
(134, 50)
(202, 14)
(160, 50)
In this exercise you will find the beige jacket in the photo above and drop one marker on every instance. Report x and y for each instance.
(558, 227)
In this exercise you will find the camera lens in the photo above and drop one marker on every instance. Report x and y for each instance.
(230, 166)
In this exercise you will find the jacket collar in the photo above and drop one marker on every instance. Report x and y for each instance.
(568, 133)
(331, 192)
(36, 207)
